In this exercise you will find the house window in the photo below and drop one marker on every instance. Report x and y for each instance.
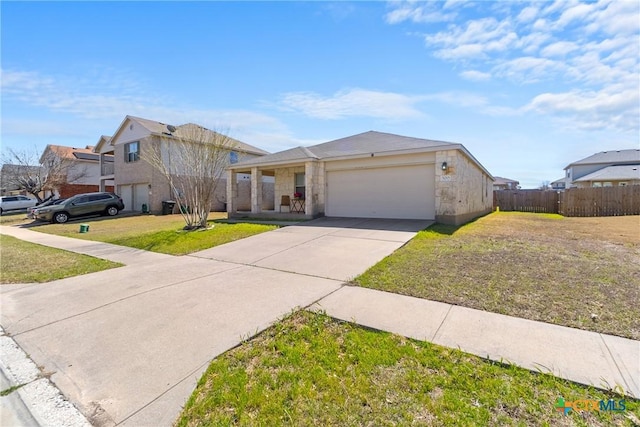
(132, 152)
(233, 157)
(607, 184)
(597, 184)
(299, 185)
(622, 184)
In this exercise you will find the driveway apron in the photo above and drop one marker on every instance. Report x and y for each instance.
(128, 345)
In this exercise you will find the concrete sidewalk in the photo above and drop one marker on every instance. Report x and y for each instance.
(604, 361)
(115, 253)
(128, 345)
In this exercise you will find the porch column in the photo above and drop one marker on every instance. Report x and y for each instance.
(256, 190)
(232, 191)
(310, 188)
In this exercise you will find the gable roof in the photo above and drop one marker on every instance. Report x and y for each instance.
(104, 139)
(70, 153)
(498, 180)
(614, 173)
(357, 145)
(610, 157)
(360, 145)
(164, 130)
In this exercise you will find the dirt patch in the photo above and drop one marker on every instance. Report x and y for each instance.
(577, 272)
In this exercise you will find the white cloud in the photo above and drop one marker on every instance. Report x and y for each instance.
(461, 99)
(110, 100)
(419, 13)
(587, 51)
(527, 14)
(475, 75)
(561, 48)
(353, 103)
(592, 109)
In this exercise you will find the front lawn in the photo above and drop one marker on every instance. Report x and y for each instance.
(157, 233)
(310, 370)
(24, 262)
(577, 272)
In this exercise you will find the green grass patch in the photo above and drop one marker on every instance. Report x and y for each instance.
(24, 262)
(312, 370)
(162, 234)
(535, 266)
(180, 242)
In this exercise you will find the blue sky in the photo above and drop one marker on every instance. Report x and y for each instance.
(527, 87)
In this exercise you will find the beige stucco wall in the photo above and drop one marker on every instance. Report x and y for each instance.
(463, 191)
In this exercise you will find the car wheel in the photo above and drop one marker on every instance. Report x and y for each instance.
(61, 217)
(112, 211)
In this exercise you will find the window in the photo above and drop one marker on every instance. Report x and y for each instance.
(132, 152)
(299, 185)
(622, 184)
(233, 157)
(607, 184)
(597, 184)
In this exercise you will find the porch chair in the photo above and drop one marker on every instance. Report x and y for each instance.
(285, 201)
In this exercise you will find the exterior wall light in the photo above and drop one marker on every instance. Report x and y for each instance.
(444, 166)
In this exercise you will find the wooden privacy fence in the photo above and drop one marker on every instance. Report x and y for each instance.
(539, 201)
(596, 201)
(600, 201)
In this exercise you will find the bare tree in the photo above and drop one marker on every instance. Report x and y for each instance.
(34, 173)
(193, 160)
(545, 185)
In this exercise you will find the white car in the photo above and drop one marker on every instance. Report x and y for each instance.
(15, 203)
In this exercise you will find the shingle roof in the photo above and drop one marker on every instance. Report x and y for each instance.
(616, 156)
(71, 153)
(159, 128)
(498, 180)
(361, 144)
(614, 173)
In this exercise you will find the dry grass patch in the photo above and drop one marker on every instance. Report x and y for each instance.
(578, 272)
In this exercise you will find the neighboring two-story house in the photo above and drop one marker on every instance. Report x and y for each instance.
(604, 169)
(501, 183)
(80, 167)
(138, 182)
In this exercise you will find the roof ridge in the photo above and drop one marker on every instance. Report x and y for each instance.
(308, 152)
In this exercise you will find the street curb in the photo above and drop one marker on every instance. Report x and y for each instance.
(45, 403)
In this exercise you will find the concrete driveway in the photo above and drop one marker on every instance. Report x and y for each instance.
(128, 345)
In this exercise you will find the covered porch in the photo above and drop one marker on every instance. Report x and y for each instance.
(298, 191)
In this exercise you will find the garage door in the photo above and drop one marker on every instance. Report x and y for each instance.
(395, 192)
(134, 196)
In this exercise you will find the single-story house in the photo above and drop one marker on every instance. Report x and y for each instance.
(140, 184)
(370, 175)
(605, 169)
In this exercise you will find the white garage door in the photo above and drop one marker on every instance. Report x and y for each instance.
(134, 196)
(394, 192)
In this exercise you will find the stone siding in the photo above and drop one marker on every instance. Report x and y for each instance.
(463, 190)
